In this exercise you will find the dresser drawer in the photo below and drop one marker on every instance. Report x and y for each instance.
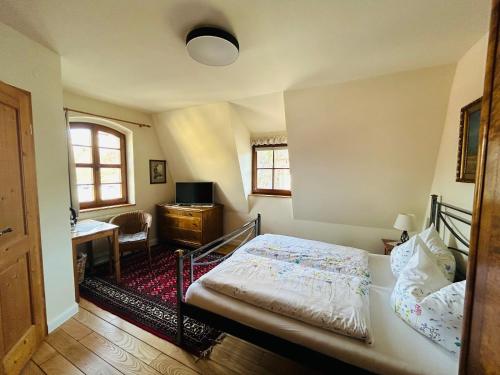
(178, 234)
(182, 222)
(180, 212)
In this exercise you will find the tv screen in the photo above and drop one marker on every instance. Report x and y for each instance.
(194, 193)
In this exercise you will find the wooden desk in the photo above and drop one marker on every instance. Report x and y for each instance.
(85, 232)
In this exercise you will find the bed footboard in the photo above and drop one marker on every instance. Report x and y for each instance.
(198, 258)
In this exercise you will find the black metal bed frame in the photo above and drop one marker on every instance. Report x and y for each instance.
(444, 213)
(440, 212)
(195, 256)
(257, 337)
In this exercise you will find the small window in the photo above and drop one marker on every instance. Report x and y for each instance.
(101, 167)
(271, 170)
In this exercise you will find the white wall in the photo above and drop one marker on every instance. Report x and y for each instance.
(32, 67)
(277, 217)
(468, 83)
(362, 151)
(467, 86)
(277, 212)
(205, 143)
(145, 147)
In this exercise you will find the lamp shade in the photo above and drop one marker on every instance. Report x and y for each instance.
(405, 222)
(212, 46)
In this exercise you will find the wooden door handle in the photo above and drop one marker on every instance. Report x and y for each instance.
(5, 231)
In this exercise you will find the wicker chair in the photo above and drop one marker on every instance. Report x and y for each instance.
(134, 231)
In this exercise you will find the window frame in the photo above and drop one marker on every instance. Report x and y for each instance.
(96, 165)
(255, 190)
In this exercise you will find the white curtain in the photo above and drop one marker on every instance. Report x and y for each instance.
(73, 191)
(270, 140)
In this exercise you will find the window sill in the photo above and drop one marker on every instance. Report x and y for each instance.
(269, 195)
(84, 210)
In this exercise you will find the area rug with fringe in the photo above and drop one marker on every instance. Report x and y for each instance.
(147, 297)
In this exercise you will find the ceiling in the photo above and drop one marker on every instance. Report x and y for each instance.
(132, 52)
(262, 114)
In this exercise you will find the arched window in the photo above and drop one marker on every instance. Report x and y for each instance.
(101, 165)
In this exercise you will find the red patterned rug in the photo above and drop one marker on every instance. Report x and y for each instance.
(147, 296)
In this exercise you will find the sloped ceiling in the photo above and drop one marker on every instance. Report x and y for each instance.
(132, 52)
(199, 144)
(262, 114)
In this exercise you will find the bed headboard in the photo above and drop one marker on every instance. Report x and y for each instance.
(445, 216)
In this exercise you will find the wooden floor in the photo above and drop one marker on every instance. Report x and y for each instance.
(97, 342)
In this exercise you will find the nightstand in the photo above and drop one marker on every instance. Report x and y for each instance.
(389, 245)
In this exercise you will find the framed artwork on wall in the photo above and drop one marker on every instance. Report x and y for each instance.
(468, 141)
(157, 171)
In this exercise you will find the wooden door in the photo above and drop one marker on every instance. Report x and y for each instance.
(22, 306)
(481, 336)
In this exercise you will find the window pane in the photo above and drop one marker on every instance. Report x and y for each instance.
(111, 175)
(84, 176)
(111, 191)
(81, 137)
(282, 179)
(264, 158)
(281, 158)
(264, 179)
(109, 156)
(85, 193)
(108, 140)
(82, 154)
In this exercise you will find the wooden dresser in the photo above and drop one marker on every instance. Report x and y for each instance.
(189, 226)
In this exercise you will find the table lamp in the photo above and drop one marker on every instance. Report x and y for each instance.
(405, 222)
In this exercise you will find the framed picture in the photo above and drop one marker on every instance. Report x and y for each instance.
(468, 141)
(157, 171)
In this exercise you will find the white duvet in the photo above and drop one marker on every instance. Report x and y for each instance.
(320, 284)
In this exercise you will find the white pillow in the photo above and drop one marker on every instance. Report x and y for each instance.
(401, 254)
(444, 256)
(425, 299)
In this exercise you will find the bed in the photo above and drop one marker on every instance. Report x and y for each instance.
(396, 347)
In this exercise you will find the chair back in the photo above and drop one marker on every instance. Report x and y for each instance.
(133, 222)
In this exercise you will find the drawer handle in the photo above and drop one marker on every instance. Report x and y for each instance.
(5, 231)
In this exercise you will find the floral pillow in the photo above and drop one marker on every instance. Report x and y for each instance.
(401, 254)
(425, 299)
(444, 256)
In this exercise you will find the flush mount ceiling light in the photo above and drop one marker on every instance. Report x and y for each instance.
(212, 46)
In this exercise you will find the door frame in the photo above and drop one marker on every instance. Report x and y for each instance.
(480, 344)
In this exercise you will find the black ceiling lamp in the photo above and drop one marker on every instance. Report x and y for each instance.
(212, 46)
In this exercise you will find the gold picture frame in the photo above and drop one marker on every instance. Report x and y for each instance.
(468, 141)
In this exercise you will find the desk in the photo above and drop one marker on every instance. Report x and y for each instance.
(85, 232)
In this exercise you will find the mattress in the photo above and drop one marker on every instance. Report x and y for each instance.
(396, 348)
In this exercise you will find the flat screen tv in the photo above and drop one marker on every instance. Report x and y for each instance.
(193, 193)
